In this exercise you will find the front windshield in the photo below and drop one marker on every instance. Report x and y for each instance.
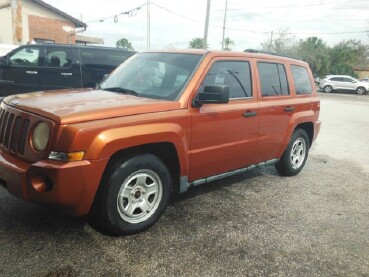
(153, 75)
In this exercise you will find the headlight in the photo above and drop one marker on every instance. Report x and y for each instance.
(40, 136)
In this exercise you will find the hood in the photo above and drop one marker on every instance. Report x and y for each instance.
(78, 105)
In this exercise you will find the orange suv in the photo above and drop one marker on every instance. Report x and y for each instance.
(161, 123)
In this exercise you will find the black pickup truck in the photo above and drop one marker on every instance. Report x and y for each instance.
(41, 67)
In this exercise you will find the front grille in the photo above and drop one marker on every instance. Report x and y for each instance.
(13, 131)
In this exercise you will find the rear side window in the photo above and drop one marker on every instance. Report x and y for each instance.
(59, 57)
(301, 79)
(234, 74)
(103, 58)
(273, 79)
(337, 79)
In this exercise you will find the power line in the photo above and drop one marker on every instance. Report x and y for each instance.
(255, 31)
(133, 11)
(130, 13)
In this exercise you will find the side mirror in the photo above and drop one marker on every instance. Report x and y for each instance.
(4, 60)
(217, 94)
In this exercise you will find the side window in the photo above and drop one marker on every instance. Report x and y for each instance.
(273, 79)
(28, 56)
(59, 57)
(235, 74)
(103, 58)
(348, 80)
(337, 79)
(301, 79)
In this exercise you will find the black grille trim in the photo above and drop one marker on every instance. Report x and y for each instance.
(13, 131)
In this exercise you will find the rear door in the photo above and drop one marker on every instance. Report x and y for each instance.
(22, 72)
(277, 108)
(59, 69)
(224, 136)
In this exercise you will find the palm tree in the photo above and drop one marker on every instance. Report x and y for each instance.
(125, 44)
(198, 43)
(228, 43)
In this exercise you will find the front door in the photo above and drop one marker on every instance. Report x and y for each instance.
(21, 74)
(224, 136)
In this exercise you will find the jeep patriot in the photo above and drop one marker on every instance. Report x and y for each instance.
(161, 123)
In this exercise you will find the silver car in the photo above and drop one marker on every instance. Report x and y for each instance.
(343, 83)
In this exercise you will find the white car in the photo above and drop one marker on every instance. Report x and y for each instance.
(343, 83)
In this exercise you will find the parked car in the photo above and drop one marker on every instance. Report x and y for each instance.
(161, 123)
(54, 66)
(343, 83)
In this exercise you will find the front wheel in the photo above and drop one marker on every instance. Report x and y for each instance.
(328, 89)
(132, 196)
(295, 155)
(360, 90)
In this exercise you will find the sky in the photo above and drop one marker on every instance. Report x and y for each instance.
(248, 23)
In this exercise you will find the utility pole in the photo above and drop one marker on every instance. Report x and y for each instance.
(148, 24)
(224, 23)
(206, 24)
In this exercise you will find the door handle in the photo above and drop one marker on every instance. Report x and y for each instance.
(249, 114)
(289, 109)
(66, 74)
(31, 72)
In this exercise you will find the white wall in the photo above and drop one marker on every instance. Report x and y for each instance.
(28, 8)
(6, 32)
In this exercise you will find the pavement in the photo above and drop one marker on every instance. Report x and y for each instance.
(253, 224)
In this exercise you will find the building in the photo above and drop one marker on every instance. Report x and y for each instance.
(27, 21)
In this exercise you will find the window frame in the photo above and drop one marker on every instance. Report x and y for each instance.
(248, 62)
(277, 63)
(294, 81)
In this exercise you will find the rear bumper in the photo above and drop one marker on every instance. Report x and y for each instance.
(72, 186)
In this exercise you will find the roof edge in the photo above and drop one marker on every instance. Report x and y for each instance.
(78, 23)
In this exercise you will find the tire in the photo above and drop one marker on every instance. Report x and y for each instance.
(132, 196)
(360, 90)
(295, 155)
(328, 89)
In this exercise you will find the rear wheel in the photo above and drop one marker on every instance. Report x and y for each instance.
(295, 155)
(328, 89)
(360, 90)
(132, 196)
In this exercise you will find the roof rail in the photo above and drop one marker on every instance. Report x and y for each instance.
(268, 53)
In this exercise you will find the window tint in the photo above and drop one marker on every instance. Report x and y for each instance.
(103, 58)
(27, 56)
(301, 79)
(336, 79)
(154, 75)
(273, 79)
(236, 75)
(59, 57)
(348, 80)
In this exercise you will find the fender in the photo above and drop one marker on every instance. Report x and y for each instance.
(296, 119)
(112, 140)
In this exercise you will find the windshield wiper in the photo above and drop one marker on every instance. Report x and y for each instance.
(122, 90)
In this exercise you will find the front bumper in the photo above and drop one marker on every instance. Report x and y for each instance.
(73, 185)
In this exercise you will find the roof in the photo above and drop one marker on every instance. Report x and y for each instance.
(78, 23)
(88, 39)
